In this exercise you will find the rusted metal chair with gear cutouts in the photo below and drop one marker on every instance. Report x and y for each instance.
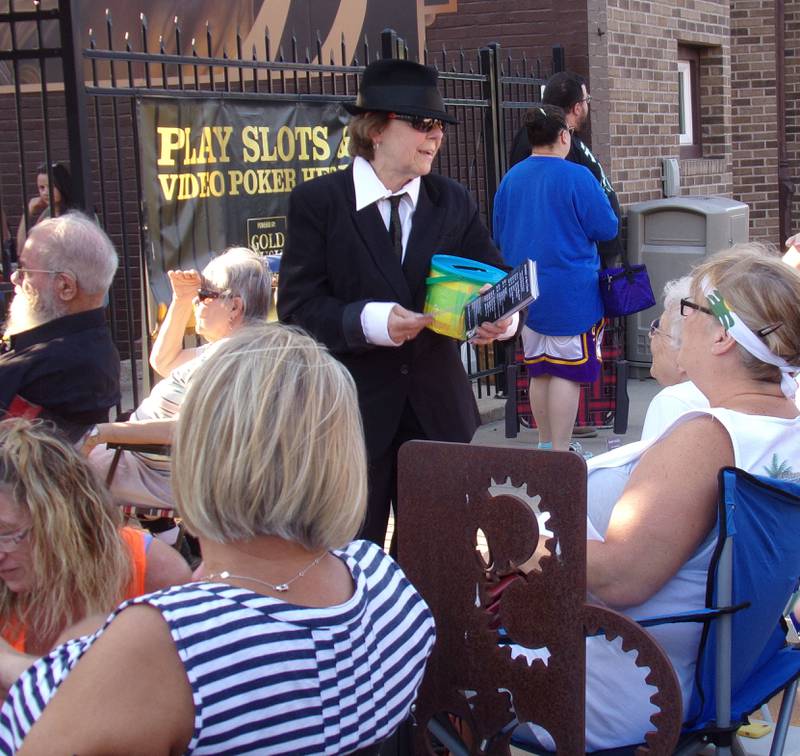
(453, 499)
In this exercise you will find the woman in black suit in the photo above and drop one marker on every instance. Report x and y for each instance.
(360, 243)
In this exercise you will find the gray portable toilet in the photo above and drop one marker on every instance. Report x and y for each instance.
(670, 236)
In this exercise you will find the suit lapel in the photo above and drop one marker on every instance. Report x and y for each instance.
(370, 227)
(425, 233)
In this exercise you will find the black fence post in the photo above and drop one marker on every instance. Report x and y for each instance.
(76, 104)
(493, 136)
(392, 46)
(559, 59)
(512, 370)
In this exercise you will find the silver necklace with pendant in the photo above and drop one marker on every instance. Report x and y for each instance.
(279, 588)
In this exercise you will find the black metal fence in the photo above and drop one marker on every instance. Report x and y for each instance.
(61, 98)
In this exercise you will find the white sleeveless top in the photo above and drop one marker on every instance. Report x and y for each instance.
(617, 698)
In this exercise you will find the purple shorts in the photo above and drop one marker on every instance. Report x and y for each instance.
(573, 358)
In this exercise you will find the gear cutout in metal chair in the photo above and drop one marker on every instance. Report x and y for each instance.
(472, 680)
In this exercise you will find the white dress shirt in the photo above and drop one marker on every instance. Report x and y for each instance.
(370, 189)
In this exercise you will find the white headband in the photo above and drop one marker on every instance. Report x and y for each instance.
(742, 334)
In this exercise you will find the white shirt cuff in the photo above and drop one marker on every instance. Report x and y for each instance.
(512, 328)
(375, 323)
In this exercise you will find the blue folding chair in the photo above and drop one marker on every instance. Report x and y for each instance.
(744, 658)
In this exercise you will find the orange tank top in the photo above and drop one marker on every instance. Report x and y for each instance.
(137, 542)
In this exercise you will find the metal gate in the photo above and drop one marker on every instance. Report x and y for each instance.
(63, 98)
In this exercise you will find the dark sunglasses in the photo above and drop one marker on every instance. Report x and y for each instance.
(204, 295)
(693, 306)
(424, 125)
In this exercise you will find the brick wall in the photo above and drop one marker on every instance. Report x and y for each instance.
(792, 113)
(754, 114)
(628, 51)
(642, 44)
(529, 27)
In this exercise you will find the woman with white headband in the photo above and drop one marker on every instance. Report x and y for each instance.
(652, 504)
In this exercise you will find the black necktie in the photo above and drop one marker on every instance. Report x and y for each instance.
(395, 228)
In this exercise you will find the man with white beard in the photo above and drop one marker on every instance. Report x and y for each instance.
(59, 361)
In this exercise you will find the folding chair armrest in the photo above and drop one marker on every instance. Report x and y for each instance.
(163, 449)
(702, 615)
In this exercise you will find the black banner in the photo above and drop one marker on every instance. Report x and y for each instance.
(218, 173)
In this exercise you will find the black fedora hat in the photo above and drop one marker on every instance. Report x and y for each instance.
(400, 86)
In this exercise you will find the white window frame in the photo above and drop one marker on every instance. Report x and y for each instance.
(685, 114)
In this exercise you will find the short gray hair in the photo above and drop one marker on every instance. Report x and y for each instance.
(246, 275)
(674, 291)
(74, 243)
(270, 442)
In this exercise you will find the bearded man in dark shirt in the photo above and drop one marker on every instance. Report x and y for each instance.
(59, 361)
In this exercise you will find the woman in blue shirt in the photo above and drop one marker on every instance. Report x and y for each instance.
(554, 212)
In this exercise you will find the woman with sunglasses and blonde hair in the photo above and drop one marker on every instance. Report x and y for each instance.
(233, 291)
(64, 555)
(652, 504)
(360, 243)
(296, 639)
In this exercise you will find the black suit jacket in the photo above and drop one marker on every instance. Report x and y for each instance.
(337, 260)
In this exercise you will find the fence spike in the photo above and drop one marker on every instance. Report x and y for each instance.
(143, 23)
(255, 70)
(177, 38)
(109, 35)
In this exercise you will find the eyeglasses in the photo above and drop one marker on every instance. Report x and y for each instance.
(762, 332)
(425, 125)
(20, 271)
(586, 99)
(11, 541)
(207, 295)
(693, 306)
(654, 329)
